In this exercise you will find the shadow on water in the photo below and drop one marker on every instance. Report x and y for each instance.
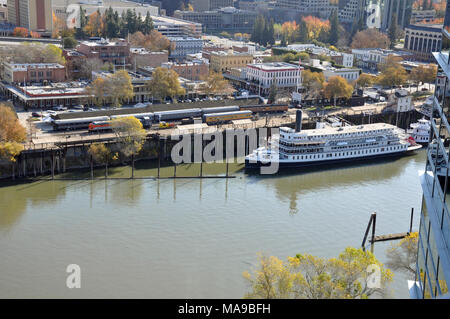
(367, 164)
(16, 198)
(291, 183)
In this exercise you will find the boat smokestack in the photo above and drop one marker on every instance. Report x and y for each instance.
(298, 120)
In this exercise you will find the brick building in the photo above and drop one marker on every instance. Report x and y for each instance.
(142, 57)
(74, 62)
(33, 72)
(194, 71)
(117, 53)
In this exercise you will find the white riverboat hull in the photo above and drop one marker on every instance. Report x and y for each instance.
(254, 163)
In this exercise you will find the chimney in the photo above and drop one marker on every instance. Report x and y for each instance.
(298, 120)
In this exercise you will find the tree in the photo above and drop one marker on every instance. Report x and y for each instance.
(120, 87)
(273, 92)
(429, 74)
(94, 26)
(12, 135)
(111, 22)
(392, 31)
(308, 277)
(115, 88)
(37, 53)
(69, 42)
(147, 27)
(165, 83)
(416, 76)
(97, 89)
(20, 32)
(131, 136)
(258, 30)
(402, 256)
(316, 26)
(214, 83)
(100, 153)
(312, 82)
(337, 87)
(225, 34)
(392, 72)
(365, 80)
(334, 28)
(302, 32)
(10, 127)
(370, 38)
(272, 280)
(154, 41)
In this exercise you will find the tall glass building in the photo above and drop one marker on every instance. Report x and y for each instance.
(433, 261)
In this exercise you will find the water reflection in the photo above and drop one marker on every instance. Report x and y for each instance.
(16, 199)
(290, 184)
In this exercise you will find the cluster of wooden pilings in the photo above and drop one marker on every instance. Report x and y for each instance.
(51, 160)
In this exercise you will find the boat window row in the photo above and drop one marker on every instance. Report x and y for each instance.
(296, 151)
(374, 132)
(353, 146)
(351, 153)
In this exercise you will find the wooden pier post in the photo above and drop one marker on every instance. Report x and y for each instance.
(411, 222)
(53, 165)
(226, 174)
(373, 226)
(64, 161)
(42, 163)
(132, 166)
(159, 155)
(24, 165)
(92, 168)
(371, 219)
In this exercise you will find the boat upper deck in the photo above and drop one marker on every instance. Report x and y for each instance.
(330, 132)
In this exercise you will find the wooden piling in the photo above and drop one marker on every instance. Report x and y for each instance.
(367, 229)
(411, 221)
(226, 174)
(53, 165)
(159, 155)
(374, 226)
(92, 168)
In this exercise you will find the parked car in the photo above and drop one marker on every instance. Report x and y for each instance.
(59, 108)
(35, 114)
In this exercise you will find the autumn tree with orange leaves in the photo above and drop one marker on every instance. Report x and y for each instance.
(316, 26)
(95, 25)
(20, 32)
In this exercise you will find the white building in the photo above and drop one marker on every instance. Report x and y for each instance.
(400, 101)
(264, 75)
(341, 58)
(350, 74)
(182, 46)
(370, 59)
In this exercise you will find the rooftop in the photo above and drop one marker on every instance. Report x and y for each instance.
(342, 129)
(273, 66)
(92, 42)
(25, 66)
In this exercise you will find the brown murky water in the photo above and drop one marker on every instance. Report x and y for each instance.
(192, 238)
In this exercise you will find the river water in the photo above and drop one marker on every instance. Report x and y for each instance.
(192, 238)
